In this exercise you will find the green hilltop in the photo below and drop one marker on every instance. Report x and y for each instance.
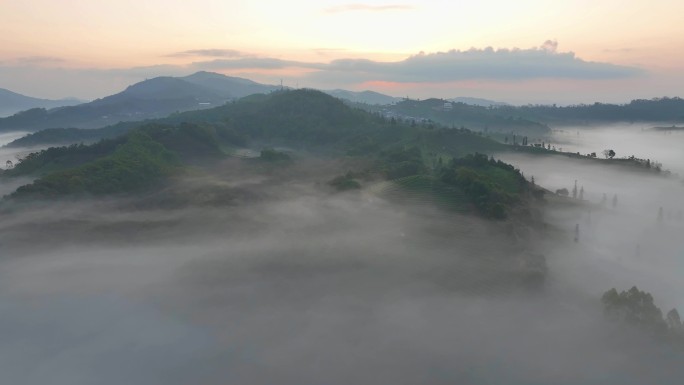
(308, 121)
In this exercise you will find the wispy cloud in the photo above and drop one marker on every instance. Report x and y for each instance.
(211, 52)
(618, 50)
(358, 7)
(543, 62)
(38, 60)
(324, 52)
(487, 63)
(421, 70)
(252, 63)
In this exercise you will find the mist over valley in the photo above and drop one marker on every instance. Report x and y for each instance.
(332, 193)
(251, 255)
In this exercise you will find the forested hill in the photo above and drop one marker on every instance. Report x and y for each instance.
(12, 102)
(641, 110)
(457, 114)
(309, 122)
(149, 99)
(300, 117)
(532, 119)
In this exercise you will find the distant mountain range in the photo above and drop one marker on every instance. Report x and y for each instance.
(364, 97)
(372, 97)
(149, 99)
(164, 96)
(152, 99)
(12, 102)
(477, 101)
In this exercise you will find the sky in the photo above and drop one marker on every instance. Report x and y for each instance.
(520, 52)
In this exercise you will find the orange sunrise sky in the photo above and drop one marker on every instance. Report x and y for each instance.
(519, 52)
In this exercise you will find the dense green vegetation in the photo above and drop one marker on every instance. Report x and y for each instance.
(488, 119)
(188, 140)
(63, 136)
(640, 110)
(301, 119)
(399, 162)
(58, 158)
(271, 155)
(636, 308)
(532, 119)
(492, 186)
(134, 164)
(345, 182)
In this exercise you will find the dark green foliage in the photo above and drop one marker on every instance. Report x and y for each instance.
(57, 136)
(58, 158)
(458, 142)
(301, 118)
(492, 186)
(533, 118)
(654, 110)
(304, 116)
(135, 164)
(400, 162)
(421, 189)
(636, 308)
(187, 140)
(271, 155)
(345, 182)
(479, 117)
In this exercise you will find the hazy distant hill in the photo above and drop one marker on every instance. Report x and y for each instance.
(472, 116)
(669, 110)
(227, 86)
(149, 99)
(477, 101)
(303, 120)
(366, 97)
(372, 97)
(12, 102)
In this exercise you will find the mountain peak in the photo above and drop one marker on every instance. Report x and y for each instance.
(12, 102)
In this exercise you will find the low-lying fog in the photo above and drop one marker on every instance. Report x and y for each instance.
(292, 284)
(11, 154)
(631, 243)
(638, 139)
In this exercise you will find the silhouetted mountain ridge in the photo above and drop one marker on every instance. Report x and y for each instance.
(150, 99)
(12, 102)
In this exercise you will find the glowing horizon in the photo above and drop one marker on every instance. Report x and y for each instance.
(127, 41)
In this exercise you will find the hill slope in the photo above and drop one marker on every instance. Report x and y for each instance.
(150, 99)
(306, 120)
(365, 97)
(12, 102)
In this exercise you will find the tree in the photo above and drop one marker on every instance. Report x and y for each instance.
(634, 307)
(673, 320)
(581, 193)
(609, 153)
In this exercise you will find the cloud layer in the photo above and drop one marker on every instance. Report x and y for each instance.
(212, 52)
(421, 70)
(368, 8)
(454, 65)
